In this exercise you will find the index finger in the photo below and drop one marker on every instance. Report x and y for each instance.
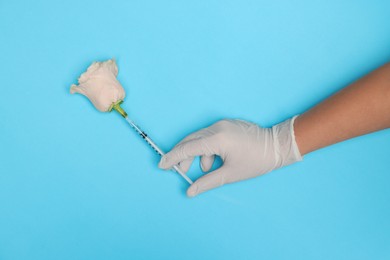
(196, 147)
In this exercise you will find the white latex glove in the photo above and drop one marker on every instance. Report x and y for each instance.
(247, 151)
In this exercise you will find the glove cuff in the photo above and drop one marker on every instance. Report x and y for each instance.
(285, 145)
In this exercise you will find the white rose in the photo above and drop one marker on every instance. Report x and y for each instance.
(100, 85)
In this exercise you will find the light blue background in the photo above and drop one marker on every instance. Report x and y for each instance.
(78, 184)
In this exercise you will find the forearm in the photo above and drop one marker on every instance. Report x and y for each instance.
(361, 108)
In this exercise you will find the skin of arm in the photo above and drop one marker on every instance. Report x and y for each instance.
(361, 108)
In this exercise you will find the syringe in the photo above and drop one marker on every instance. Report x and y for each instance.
(152, 144)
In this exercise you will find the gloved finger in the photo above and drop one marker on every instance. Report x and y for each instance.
(186, 164)
(186, 150)
(207, 182)
(195, 135)
(206, 162)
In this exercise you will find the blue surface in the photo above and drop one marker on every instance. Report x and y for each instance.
(78, 184)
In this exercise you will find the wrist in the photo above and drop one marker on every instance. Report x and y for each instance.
(285, 142)
(300, 131)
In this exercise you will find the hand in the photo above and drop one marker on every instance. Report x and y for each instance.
(247, 150)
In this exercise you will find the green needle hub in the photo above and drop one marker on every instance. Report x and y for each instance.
(116, 106)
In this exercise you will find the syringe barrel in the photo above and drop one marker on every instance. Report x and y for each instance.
(176, 168)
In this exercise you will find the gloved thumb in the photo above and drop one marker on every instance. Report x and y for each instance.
(207, 182)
